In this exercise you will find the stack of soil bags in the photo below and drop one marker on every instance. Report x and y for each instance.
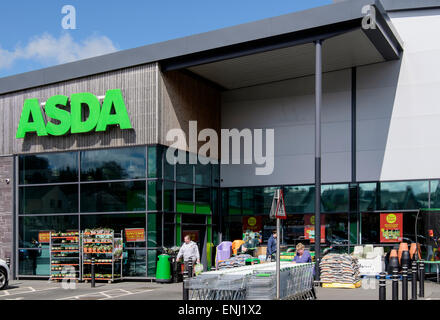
(339, 268)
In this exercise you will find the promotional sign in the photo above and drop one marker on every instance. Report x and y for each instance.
(57, 108)
(252, 223)
(193, 234)
(391, 227)
(309, 227)
(44, 236)
(135, 235)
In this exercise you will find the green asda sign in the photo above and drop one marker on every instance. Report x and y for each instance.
(98, 118)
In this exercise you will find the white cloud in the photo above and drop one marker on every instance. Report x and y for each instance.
(48, 50)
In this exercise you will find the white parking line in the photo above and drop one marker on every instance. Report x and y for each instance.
(127, 294)
(6, 293)
(107, 294)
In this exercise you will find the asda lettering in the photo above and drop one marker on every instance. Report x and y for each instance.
(32, 120)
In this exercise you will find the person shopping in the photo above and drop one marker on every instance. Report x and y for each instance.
(272, 246)
(190, 252)
(302, 255)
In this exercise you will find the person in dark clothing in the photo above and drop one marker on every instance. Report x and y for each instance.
(271, 245)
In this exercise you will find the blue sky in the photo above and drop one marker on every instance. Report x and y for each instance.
(31, 35)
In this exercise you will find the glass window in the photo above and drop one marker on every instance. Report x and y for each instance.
(154, 162)
(154, 195)
(154, 230)
(203, 200)
(184, 172)
(152, 261)
(134, 263)
(203, 174)
(34, 262)
(113, 164)
(117, 222)
(435, 194)
(48, 168)
(367, 196)
(215, 175)
(336, 228)
(48, 199)
(168, 232)
(113, 196)
(168, 166)
(168, 201)
(334, 198)
(32, 230)
(248, 199)
(234, 201)
(404, 195)
(299, 199)
(263, 199)
(185, 198)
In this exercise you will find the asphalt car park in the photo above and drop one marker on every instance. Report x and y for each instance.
(46, 290)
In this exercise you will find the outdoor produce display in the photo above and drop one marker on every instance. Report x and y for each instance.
(64, 256)
(105, 247)
(340, 270)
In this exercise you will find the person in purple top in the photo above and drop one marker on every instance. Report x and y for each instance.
(302, 255)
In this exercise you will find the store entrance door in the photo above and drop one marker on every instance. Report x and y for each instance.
(197, 234)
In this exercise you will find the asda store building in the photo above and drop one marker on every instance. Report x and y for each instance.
(83, 144)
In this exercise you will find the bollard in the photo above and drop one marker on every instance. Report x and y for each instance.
(405, 282)
(382, 286)
(414, 280)
(92, 273)
(185, 291)
(395, 286)
(422, 279)
(8, 262)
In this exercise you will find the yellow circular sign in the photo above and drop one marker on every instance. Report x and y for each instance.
(252, 221)
(312, 219)
(391, 218)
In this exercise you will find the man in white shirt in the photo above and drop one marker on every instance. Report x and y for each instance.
(189, 251)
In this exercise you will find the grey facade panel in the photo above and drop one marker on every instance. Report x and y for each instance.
(138, 86)
(399, 5)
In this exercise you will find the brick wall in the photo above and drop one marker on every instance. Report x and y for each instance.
(6, 206)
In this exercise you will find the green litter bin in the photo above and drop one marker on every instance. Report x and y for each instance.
(163, 269)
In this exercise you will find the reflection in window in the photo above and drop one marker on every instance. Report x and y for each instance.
(32, 230)
(113, 164)
(203, 174)
(114, 196)
(34, 262)
(299, 199)
(234, 201)
(334, 197)
(154, 162)
(203, 200)
(168, 201)
(155, 230)
(134, 263)
(154, 195)
(404, 195)
(185, 198)
(48, 199)
(48, 168)
(367, 196)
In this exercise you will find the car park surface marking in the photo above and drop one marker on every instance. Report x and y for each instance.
(104, 295)
(14, 292)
